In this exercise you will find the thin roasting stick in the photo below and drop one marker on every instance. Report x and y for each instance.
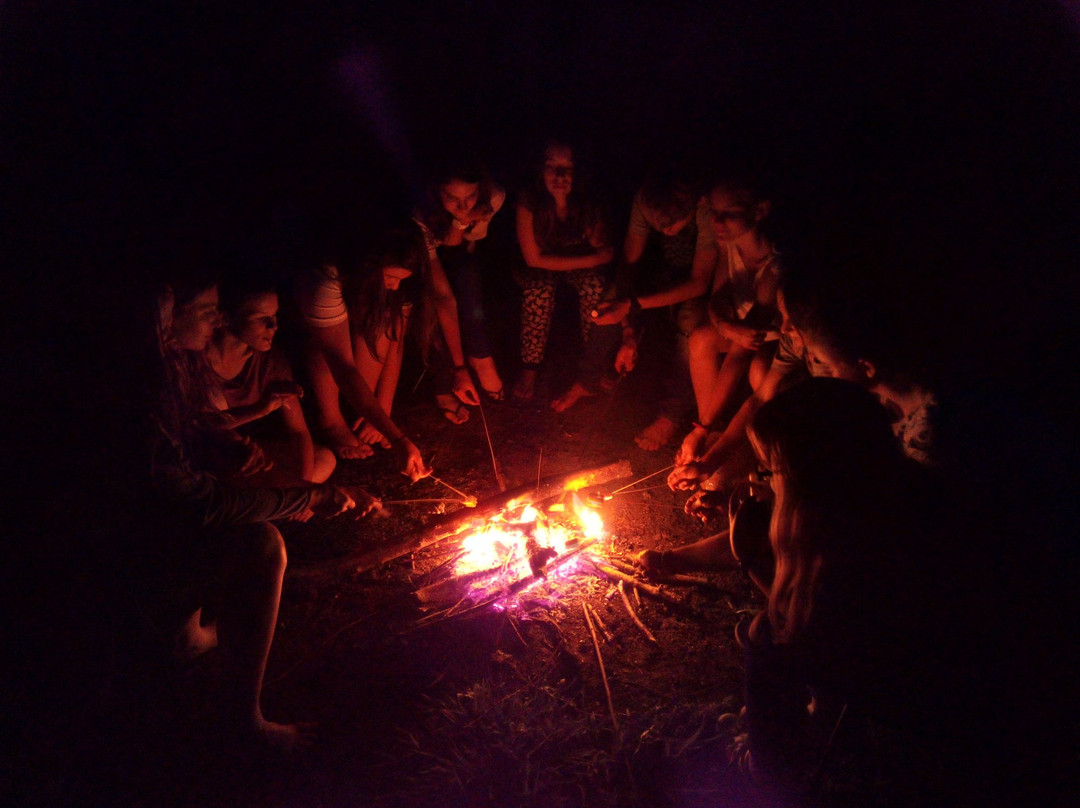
(639, 490)
(643, 479)
(600, 661)
(491, 448)
(633, 615)
(456, 491)
(411, 501)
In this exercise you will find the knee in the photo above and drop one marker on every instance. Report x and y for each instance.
(268, 548)
(325, 463)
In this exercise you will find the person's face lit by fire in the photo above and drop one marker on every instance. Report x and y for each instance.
(256, 321)
(734, 214)
(834, 363)
(459, 198)
(393, 276)
(193, 323)
(558, 171)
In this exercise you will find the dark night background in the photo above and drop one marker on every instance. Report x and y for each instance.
(137, 134)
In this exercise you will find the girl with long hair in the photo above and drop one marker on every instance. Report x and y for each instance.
(356, 312)
(852, 600)
(454, 216)
(562, 234)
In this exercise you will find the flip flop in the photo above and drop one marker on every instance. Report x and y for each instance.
(457, 414)
(495, 395)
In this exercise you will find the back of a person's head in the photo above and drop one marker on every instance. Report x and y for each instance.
(240, 286)
(668, 195)
(849, 287)
(828, 435)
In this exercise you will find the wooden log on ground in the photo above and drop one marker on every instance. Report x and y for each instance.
(459, 522)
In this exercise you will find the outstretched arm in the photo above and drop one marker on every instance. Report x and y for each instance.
(336, 347)
(694, 286)
(447, 313)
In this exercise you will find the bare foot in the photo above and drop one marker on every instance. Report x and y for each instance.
(453, 409)
(194, 639)
(490, 382)
(344, 443)
(570, 398)
(657, 434)
(525, 386)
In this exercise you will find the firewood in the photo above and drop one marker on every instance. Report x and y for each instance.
(648, 589)
(633, 615)
(600, 662)
(463, 521)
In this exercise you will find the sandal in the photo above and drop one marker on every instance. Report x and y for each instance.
(455, 411)
(495, 395)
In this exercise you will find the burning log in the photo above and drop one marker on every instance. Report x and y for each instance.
(460, 596)
(468, 520)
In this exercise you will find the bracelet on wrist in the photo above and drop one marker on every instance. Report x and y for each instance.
(459, 367)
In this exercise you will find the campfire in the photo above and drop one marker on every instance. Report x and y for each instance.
(511, 550)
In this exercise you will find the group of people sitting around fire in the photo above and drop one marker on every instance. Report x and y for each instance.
(791, 411)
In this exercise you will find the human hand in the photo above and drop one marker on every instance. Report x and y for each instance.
(651, 562)
(612, 312)
(604, 255)
(691, 446)
(686, 477)
(706, 505)
(743, 335)
(464, 388)
(409, 459)
(251, 457)
(626, 358)
(278, 392)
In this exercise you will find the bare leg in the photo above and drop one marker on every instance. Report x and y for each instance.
(735, 366)
(706, 348)
(380, 371)
(249, 609)
(330, 420)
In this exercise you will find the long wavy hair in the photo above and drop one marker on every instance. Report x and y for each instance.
(179, 393)
(432, 213)
(374, 310)
(842, 495)
(583, 213)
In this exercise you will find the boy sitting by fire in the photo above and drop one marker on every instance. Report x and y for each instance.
(668, 215)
